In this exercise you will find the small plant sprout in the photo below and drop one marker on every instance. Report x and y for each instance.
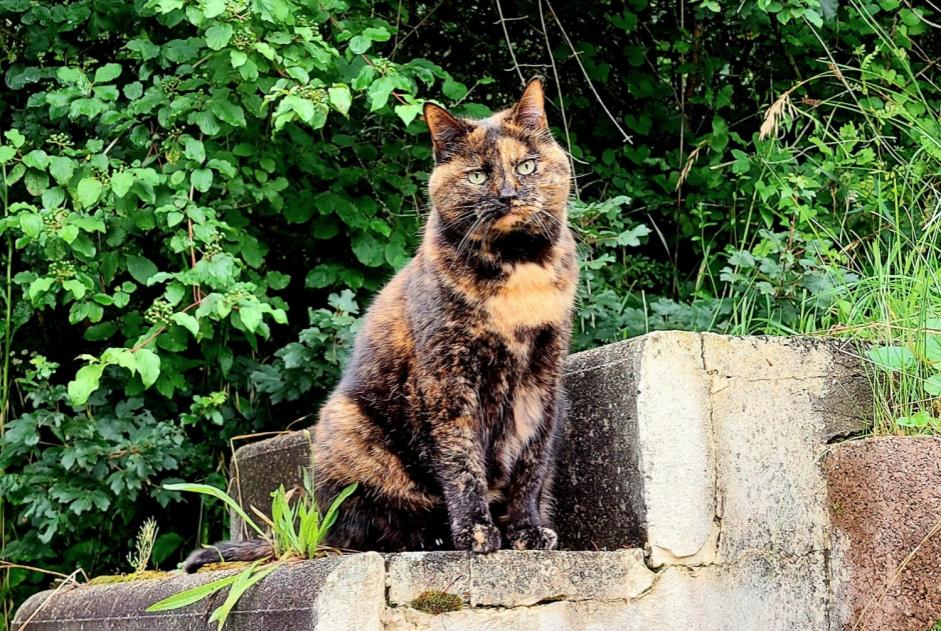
(143, 547)
(296, 531)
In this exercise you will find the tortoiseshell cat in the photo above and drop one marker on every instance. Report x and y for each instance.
(448, 411)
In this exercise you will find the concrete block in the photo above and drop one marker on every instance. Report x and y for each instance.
(519, 578)
(331, 594)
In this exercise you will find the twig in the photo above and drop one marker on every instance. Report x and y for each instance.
(558, 90)
(411, 32)
(509, 44)
(626, 136)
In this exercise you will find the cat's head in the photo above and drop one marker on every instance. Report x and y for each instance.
(502, 174)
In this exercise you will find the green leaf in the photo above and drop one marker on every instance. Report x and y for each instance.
(107, 72)
(933, 385)
(918, 420)
(61, 168)
(140, 268)
(148, 365)
(187, 321)
(122, 182)
(39, 286)
(250, 313)
(86, 381)
(212, 491)
(892, 358)
(6, 153)
(368, 249)
(201, 179)
(340, 98)
(68, 232)
(76, 287)
(408, 111)
(227, 112)
(36, 159)
(237, 58)
(218, 36)
(248, 577)
(191, 596)
(213, 8)
(31, 224)
(15, 137)
(88, 191)
(359, 44)
(454, 90)
(194, 149)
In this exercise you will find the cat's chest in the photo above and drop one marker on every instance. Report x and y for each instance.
(533, 296)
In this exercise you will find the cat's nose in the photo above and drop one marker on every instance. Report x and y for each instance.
(507, 194)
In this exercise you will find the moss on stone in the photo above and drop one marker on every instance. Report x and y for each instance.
(435, 602)
(147, 575)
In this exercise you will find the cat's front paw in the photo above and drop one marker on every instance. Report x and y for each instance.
(531, 538)
(479, 538)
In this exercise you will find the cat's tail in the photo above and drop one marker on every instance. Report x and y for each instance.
(248, 550)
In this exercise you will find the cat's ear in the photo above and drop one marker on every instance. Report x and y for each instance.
(530, 111)
(445, 129)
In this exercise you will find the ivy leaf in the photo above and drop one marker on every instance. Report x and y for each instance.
(148, 366)
(86, 381)
(88, 191)
(218, 36)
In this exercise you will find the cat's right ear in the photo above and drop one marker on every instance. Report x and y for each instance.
(445, 129)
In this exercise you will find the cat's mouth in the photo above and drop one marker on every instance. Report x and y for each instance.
(514, 217)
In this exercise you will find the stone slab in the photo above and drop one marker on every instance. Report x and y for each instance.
(518, 579)
(332, 594)
(885, 507)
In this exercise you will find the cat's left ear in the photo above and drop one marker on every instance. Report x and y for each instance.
(530, 111)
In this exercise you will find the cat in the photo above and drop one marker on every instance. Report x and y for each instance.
(449, 410)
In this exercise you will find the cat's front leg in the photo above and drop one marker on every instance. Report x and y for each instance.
(461, 471)
(527, 528)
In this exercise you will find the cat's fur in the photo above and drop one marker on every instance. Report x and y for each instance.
(447, 414)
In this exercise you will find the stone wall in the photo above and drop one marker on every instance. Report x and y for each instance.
(690, 495)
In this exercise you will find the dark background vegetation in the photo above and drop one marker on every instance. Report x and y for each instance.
(200, 197)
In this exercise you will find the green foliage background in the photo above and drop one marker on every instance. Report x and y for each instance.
(198, 197)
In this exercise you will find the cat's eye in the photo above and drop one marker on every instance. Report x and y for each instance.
(526, 167)
(477, 177)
